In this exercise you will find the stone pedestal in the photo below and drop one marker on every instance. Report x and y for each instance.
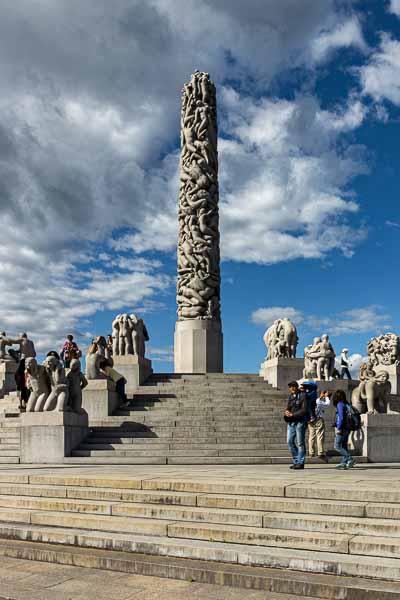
(48, 437)
(380, 437)
(99, 398)
(7, 377)
(198, 346)
(281, 371)
(135, 369)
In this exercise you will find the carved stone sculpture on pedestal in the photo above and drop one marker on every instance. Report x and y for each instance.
(59, 395)
(38, 383)
(198, 333)
(130, 335)
(76, 383)
(384, 353)
(371, 395)
(281, 339)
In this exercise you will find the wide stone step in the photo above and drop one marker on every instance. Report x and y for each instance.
(234, 570)
(334, 524)
(8, 460)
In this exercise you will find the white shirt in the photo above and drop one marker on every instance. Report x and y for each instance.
(322, 404)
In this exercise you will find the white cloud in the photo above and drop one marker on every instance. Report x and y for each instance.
(266, 316)
(394, 7)
(345, 34)
(283, 176)
(88, 134)
(380, 77)
(161, 354)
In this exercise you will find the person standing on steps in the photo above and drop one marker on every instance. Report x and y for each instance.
(316, 427)
(296, 417)
(344, 363)
(342, 432)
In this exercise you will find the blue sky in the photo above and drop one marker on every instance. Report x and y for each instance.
(309, 119)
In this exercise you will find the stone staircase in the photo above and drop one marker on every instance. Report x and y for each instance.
(194, 419)
(333, 538)
(9, 428)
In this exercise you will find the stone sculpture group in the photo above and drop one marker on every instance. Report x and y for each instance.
(129, 335)
(281, 339)
(198, 286)
(370, 396)
(51, 388)
(319, 359)
(384, 350)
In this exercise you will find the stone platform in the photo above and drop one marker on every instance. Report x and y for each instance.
(259, 527)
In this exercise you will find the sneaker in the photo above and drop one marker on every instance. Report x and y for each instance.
(341, 466)
(292, 466)
(350, 463)
(298, 466)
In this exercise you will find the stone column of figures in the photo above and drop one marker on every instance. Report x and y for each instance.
(198, 287)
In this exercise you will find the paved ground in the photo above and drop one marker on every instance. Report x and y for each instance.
(27, 580)
(372, 472)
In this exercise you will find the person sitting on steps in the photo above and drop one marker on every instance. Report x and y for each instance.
(119, 381)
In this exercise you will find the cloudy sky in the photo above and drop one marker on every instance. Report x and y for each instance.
(308, 98)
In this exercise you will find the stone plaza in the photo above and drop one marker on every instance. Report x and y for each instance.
(184, 475)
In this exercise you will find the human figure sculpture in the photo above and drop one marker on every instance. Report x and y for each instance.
(311, 359)
(139, 335)
(4, 342)
(76, 382)
(384, 350)
(371, 394)
(26, 347)
(93, 360)
(38, 382)
(129, 335)
(326, 359)
(59, 395)
(281, 339)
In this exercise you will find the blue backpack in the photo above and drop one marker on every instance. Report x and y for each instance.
(311, 392)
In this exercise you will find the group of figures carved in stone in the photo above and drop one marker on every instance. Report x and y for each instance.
(198, 286)
(319, 359)
(51, 388)
(384, 350)
(281, 339)
(129, 335)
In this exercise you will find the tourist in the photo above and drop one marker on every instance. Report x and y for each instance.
(118, 379)
(296, 417)
(342, 432)
(316, 427)
(53, 353)
(344, 363)
(69, 351)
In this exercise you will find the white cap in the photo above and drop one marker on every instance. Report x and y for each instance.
(345, 350)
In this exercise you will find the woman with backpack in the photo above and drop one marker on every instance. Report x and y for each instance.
(342, 429)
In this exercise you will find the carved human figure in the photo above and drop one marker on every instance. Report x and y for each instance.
(271, 337)
(93, 360)
(115, 334)
(26, 347)
(76, 382)
(326, 359)
(38, 382)
(139, 335)
(59, 395)
(311, 354)
(5, 341)
(371, 393)
(384, 350)
(289, 334)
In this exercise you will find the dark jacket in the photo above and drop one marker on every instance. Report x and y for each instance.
(297, 404)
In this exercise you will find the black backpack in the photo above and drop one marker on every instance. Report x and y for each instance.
(353, 418)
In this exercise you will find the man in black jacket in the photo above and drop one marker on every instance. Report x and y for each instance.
(296, 417)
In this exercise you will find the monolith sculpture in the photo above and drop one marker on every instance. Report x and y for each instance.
(198, 333)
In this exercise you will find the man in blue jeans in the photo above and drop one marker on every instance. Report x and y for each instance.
(296, 417)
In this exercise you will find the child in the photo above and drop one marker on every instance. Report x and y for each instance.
(316, 427)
